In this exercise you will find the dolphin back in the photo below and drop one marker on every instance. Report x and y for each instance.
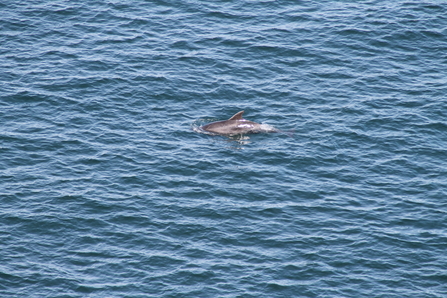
(237, 125)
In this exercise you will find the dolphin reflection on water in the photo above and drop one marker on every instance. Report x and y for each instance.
(236, 125)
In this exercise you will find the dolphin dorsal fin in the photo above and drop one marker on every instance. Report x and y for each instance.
(237, 116)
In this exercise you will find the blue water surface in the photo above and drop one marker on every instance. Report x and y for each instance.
(108, 189)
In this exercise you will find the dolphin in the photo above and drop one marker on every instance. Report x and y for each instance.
(236, 125)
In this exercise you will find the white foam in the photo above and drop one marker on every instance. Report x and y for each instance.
(267, 128)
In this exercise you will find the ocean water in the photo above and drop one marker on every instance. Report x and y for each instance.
(107, 189)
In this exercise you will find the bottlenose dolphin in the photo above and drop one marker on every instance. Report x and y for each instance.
(236, 125)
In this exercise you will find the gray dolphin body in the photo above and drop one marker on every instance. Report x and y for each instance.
(236, 125)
